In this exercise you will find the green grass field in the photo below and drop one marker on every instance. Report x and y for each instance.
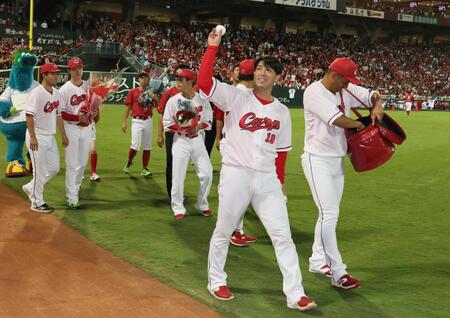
(393, 229)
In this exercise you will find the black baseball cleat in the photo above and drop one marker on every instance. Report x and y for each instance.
(44, 208)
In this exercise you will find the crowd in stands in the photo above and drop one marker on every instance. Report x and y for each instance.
(416, 8)
(390, 68)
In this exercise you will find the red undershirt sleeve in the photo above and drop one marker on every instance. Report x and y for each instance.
(280, 164)
(205, 74)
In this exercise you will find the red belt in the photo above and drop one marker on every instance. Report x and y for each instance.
(141, 117)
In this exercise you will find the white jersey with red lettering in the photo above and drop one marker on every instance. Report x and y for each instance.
(75, 96)
(77, 152)
(45, 106)
(255, 132)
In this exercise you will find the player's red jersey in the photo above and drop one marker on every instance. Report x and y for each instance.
(137, 109)
(409, 98)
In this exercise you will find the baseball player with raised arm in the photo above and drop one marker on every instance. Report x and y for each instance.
(188, 143)
(141, 123)
(43, 114)
(78, 119)
(327, 105)
(258, 126)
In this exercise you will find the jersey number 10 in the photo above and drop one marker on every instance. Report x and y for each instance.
(270, 138)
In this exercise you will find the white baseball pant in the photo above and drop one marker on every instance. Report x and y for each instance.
(183, 150)
(46, 165)
(141, 134)
(408, 106)
(238, 187)
(325, 176)
(77, 157)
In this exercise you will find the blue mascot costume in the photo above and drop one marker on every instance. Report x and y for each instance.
(12, 117)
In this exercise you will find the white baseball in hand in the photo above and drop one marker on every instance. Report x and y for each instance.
(220, 29)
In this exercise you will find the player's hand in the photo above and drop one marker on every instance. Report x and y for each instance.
(13, 111)
(33, 143)
(124, 127)
(94, 113)
(83, 118)
(160, 141)
(191, 132)
(65, 140)
(214, 38)
(377, 113)
(360, 126)
(218, 144)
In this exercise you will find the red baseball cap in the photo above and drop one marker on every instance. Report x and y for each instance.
(185, 73)
(247, 67)
(347, 68)
(49, 68)
(74, 62)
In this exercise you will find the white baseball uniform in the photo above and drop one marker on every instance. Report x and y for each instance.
(185, 148)
(44, 107)
(254, 135)
(77, 152)
(323, 162)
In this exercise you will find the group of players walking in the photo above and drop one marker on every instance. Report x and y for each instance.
(254, 135)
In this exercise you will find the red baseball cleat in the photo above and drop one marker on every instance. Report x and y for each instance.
(324, 270)
(248, 238)
(346, 282)
(222, 293)
(305, 303)
(207, 213)
(237, 239)
(180, 216)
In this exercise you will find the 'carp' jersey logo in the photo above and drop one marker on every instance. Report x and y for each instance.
(252, 123)
(76, 100)
(50, 106)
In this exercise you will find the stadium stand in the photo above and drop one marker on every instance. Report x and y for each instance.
(391, 67)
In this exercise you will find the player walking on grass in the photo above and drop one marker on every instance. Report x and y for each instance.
(258, 126)
(188, 143)
(78, 119)
(168, 140)
(323, 158)
(141, 124)
(43, 115)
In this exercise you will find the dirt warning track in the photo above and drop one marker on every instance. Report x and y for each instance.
(48, 269)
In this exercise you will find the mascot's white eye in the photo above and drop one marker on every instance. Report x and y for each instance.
(23, 53)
